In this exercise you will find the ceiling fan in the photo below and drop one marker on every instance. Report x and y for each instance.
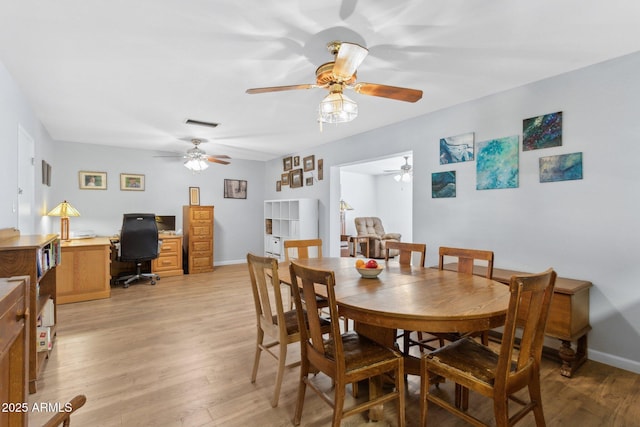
(340, 74)
(404, 173)
(196, 159)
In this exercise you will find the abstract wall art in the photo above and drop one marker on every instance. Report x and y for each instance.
(443, 184)
(454, 149)
(542, 132)
(497, 163)
(564, 167)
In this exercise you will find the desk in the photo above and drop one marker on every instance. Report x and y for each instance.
(168, 263)
(568, 315)
(83, 274)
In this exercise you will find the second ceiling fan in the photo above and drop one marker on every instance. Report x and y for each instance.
(340, 74)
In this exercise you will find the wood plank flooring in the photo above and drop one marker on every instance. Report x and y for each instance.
(180, 354)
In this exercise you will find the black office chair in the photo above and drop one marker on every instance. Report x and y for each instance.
(138, 243)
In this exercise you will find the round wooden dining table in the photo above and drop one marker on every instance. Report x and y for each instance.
(414, 298)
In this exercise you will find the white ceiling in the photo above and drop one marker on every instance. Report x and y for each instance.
(128, 73)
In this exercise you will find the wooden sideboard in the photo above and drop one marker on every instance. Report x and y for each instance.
(568, 315)
(14, 350)
(84, 273)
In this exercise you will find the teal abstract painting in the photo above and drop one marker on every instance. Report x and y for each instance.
(542, 132)
(497, 163)
(443, 184)
(564, 167)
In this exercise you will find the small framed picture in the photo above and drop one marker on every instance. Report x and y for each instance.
(194, 196)
(295, 180)
(131, 182)
(278, 185)
(92, 180)
(309, 181)
(296, 161)
(284, 179)
(287, 163)
(309, 163)
(235, 189)
(44, 173)
(320, 169)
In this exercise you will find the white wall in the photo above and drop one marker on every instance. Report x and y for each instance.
(585, 229)
(379, 196)
(237, 221)
(14, 112)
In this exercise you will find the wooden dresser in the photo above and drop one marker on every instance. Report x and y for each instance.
(197, 226)
(14, 350)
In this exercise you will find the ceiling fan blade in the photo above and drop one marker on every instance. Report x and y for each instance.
(392, 92)
(348, 59)
(222, 156)
(214, 160)
(279, 88)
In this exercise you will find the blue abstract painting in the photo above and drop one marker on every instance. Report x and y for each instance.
(542, 132)
(454, 149)
(443, 184)
(564, 167)
(497, 163)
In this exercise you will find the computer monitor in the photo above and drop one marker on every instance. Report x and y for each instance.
(166, 222)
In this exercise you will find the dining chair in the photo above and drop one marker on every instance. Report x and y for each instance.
(405, 252)
(64, 417)
(280, 327)
(345, 357)
(497, 374)
(302, 249)
(465, 263)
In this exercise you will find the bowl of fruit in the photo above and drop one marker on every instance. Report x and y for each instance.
(368, 269)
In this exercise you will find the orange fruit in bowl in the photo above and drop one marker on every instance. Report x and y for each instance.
(360, 263)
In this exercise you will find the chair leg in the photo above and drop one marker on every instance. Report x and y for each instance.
(302, 387)
(424, 391)
(338, 405)
(256, 360)
(536, 396)
(282, 360)
(501, 411)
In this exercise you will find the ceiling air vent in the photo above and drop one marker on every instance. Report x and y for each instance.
(201, 123)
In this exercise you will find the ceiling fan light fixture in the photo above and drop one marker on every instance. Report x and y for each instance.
(196, 164)
(337, 108)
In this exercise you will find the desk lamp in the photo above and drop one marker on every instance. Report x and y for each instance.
(64, 210)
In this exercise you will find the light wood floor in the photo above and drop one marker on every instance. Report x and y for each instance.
(180, 354)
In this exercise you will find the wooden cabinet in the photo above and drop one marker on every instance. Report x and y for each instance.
(84, 275)
(35, 256)
(197, 225)
(169, 261)
(288, 220)
(14, 350)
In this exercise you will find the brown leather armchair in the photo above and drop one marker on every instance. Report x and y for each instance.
(371, 226)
